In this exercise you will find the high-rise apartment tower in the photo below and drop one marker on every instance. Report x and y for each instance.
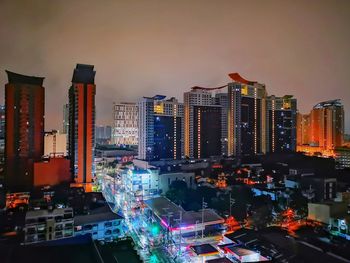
(82, 124)
(24, 135)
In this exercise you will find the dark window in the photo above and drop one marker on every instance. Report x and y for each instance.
(42, 219)
(58, 218)
(87, 227)
(67, 216)
(31, 221)
(31, 230)
(108, 224)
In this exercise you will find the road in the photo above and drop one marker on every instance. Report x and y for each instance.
(150, 238)
(151, 249)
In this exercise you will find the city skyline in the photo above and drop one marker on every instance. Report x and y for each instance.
(175, 131)
(303, 49)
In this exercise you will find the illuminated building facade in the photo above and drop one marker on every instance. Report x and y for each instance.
(55, 144)
(195, 97)
(24, 139)
(281, 123)
(125, 130)
(160, 128)
(322, 131)
(206, 131)
(82, 124)
(303, 129)
(140, 184)
(246, 117)
(342, 157)
(222, 100)
(17, 199)
(327, 125)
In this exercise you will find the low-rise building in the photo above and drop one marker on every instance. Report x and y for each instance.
(152, 181)
(315, 187)
(325, 211)
(47, 225)
(342, 157)
(273, 192)
(188, 224)
(340, 227)
(101, 223)
(166, 179)
(323, 188)
(110, 153)
(140, 184)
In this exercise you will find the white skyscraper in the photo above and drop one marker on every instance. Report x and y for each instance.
(160, 128)
(125, 129)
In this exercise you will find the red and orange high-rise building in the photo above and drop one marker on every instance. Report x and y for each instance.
(303, 129)
(327, 124)
(322, 131)
(82, 124)
(24, 139)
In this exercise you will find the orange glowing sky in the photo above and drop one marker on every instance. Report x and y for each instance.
(142, 48)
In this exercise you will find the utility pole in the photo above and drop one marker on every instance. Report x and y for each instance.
(179, 220)
(196, 236)
(204, 205)
(180, 232)
(168, 215)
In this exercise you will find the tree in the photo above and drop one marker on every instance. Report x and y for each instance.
(220, 203)
(177, 192)
(261, 217)
(298, 203)
(242, 194)
(176, 195)
(243, 197)
(261, 214)
(178, 185)
(207, 193)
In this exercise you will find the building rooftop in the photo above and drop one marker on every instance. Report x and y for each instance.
(84, 74)
(15, 78)
(238, 78)
(219, 260)
(328, 103)
(113, 148)
(97, 215)
(204, 250)
(161, 206)
(44, 212)
(240, 251)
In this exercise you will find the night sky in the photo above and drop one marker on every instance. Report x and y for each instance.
(143, 48)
